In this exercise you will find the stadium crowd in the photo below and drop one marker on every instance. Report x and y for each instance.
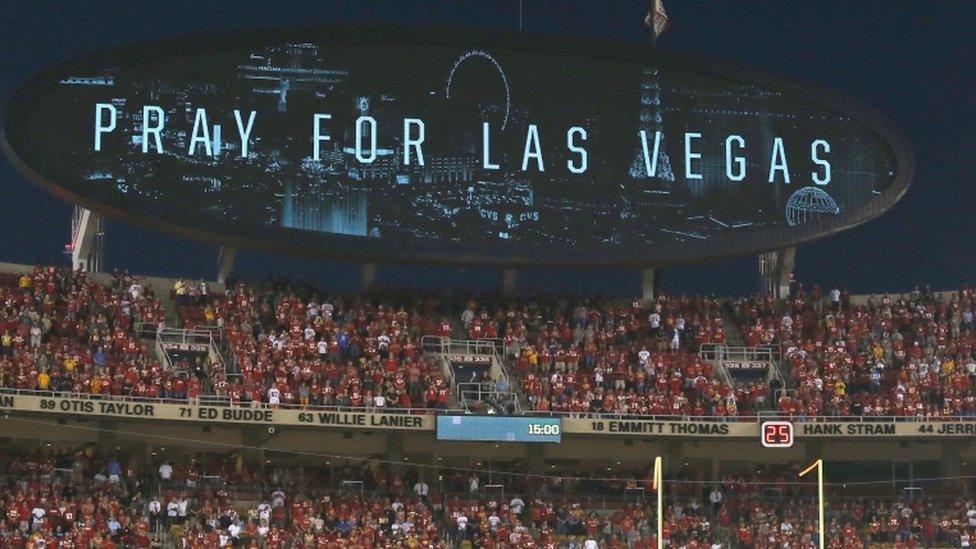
(628, 359)
(904, 356)
(86, 498)
(288, 345)
(61, 331)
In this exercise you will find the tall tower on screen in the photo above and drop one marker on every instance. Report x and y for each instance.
(651, 121)
(650, 118)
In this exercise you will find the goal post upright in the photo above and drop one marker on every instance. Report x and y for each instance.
(659, 489)
(820, 497)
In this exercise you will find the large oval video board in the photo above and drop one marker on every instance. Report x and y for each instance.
(453, 146)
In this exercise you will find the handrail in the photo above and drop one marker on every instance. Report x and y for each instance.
(184, 335)
(217, 332)
(214, 400)
(192, 336)
(483, 346)
(434, 343)
(486, 346)
(721, 352)
(210, 400)
(146, 330)
(780, 393)
(484, 393)
(444, 344)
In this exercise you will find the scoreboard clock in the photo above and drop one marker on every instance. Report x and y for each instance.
(499, 428)
(776, 434)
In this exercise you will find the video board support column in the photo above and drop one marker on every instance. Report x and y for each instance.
(648, 284)
(225, 263)
(509, 280)
(87, 235)
(775, 268)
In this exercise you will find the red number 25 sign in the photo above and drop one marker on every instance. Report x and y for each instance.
(777, 434)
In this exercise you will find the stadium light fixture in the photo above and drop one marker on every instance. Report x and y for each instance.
(820, 497)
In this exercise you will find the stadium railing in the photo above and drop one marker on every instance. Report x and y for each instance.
(719, 352)
(443, 344)
(210, 400)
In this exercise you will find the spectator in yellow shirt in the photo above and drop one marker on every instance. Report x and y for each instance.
(7, 343)
(25, 282)
(840, 388)
(43, 381)
(180, 290)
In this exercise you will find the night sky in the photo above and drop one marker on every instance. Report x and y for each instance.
(912, 61)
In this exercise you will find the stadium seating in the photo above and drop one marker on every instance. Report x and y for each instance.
(63, 332)
(291, 350)
(89, 500)
(287, 345)
(595, 356)
(83, 498)
(904, 356)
